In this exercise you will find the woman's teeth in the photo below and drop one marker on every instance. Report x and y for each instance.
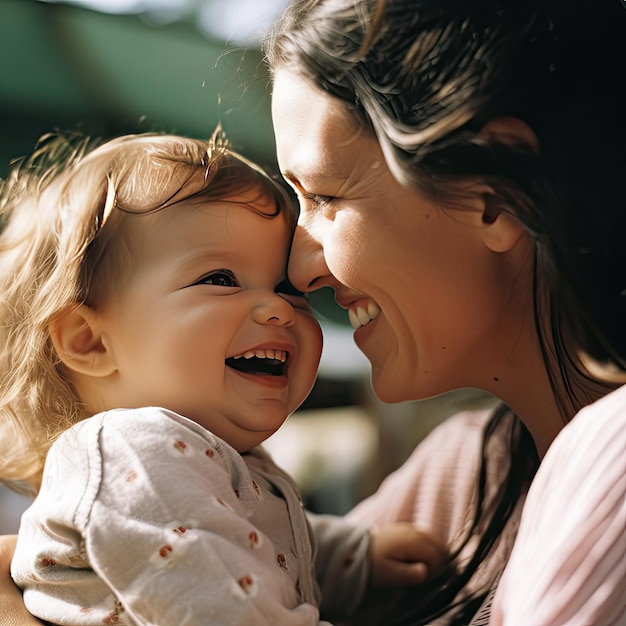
(280, 355)
(359, 315)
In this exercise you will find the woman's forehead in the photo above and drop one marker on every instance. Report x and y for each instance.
(315, 132)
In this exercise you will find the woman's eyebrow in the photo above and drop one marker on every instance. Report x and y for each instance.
(291, 177)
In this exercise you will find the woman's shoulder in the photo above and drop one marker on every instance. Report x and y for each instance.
(603, 417)
(458, 439)
(568, 561)
(439, 478)
(594, 439)
(585, 463)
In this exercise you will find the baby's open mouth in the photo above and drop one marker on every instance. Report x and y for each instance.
(268, 362)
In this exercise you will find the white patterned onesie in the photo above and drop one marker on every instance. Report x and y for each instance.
(145, 517)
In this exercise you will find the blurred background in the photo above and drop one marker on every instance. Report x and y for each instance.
(106, 67)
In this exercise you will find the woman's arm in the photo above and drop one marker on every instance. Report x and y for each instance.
(436, 490)
(12, 610)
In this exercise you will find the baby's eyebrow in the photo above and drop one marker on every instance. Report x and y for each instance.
(200, 258)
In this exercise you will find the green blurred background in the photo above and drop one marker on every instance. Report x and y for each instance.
(175, 66)
(105, 67)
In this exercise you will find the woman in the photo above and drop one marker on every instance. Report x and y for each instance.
(456, 165)
(458, 168)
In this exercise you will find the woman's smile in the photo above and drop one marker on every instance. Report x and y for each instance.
(361, 313)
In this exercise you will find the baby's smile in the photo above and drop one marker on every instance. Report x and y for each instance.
(260, 361)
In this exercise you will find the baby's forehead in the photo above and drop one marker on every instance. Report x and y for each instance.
(153, 177)
(194, 233)
(251, 208)
(162, 189)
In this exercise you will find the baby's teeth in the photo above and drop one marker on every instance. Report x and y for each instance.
(264, 354)
(278, 355)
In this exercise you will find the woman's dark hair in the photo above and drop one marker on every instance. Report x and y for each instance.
(495, 504)
(425, 76)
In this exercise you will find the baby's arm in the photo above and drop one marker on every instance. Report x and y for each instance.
(401, 555)
(12, 609)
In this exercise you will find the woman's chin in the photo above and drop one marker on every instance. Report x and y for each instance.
(391, 389)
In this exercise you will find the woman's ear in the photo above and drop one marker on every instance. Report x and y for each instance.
(510, 130)
(78, 341)
(500, 231)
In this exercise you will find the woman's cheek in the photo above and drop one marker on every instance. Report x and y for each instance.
(345, 254)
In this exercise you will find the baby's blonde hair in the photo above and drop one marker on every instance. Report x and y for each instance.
(62, 243)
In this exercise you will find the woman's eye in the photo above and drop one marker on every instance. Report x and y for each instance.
(219, 278)
(317, 199)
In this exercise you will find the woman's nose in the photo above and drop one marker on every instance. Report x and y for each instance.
(273, 310)
(307, 268)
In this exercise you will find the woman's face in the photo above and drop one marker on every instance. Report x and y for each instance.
(433, 305)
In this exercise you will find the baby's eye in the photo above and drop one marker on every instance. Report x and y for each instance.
(219, 278)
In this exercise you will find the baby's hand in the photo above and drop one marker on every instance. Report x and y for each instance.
(401, 555)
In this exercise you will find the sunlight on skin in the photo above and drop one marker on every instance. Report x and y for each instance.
(12, 610)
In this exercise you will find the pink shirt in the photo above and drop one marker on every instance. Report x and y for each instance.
(568, 566)
(436, 489)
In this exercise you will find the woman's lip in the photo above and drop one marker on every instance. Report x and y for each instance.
(346, 297)
(363, 334)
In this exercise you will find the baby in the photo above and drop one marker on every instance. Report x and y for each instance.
(150, 343)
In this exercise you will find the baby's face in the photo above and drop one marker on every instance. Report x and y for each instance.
(201, 327)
